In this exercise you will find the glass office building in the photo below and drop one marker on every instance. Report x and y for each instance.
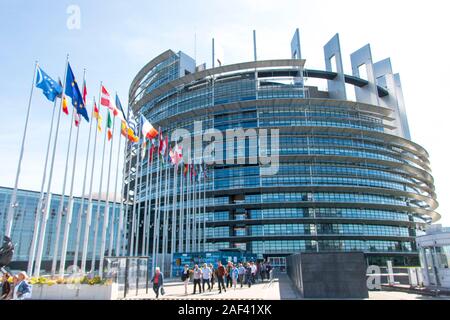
(349, 177)
(24, 219)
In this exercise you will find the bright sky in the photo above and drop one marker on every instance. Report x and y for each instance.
(117, 38)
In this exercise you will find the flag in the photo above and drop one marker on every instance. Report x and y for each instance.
(163, 145)
(50, 87)
(98, 117)
(205, 169)
(176, 155)
(73, 91)
(64, 105)
(186, 166)
(77, 119)
(192, 171)
(148, 130)
(132, 136)
(200, 174)
(124, 129)
(152, 149)
(119, 107)
(84, 91)
(144, 148)
(106, 101)
(132, 127)
(109, 126)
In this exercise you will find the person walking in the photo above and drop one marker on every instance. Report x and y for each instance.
(234, 276)
(248, 275)
(262, 271)
(206, 274)
(185, 276)
(213, 275)
(22, 290)
(158, 281)
(241, 272)
(228, 274)
(220, 274)
(258, 271)
(6, 287)
(254, 271)
(268, 270)
(197, 279)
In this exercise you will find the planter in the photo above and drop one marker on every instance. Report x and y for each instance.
(75, 292)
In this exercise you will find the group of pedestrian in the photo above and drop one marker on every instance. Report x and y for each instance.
(230, 276)
(15, 287)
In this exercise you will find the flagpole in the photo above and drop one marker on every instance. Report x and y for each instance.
(188, 207)
(62, 199)
(163, 258)
(99, 196)
(181, 220)
(133, 251)
(129, 210)
(200, 208)
(113, 215)
(62, 263)
(201, 213)
(13, 202)
(174, 209)
(148, 203)
(83, 196)
(39, 212)
(47, 203)
(87, 226)
(123, 213)
(138, 213)
(106, 211)
(194, 211)
(158, 231)
(122, 199)
(204, 208)
(155, 249)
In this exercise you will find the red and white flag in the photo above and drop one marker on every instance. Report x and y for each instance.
(107, 102)
(148, 130)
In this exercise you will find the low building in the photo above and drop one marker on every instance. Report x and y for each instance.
(434, 249)
(24, 219)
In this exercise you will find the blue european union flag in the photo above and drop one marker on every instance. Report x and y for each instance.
(73, 91)
(50, 87)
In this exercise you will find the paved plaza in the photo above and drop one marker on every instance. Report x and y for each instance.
(281, 288)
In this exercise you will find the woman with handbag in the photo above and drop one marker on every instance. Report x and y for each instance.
(185, 276)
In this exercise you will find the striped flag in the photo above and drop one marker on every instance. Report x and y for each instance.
(65, 109)
(148, 130)
(77, 119)
(98, 117)
(84, 91)
(109, 126)
(107, 102)
(124, 129)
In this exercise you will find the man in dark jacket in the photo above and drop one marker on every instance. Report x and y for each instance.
(248, 274)
(6, 286)
(221, 272)
(158, 281)
(228, 275)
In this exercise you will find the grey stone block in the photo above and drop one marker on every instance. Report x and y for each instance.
(329, 275)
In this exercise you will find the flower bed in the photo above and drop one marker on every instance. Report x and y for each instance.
(73, 289)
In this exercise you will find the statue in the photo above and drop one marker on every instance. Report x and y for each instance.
(6, 253)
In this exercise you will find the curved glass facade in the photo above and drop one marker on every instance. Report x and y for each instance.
(345, 180)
